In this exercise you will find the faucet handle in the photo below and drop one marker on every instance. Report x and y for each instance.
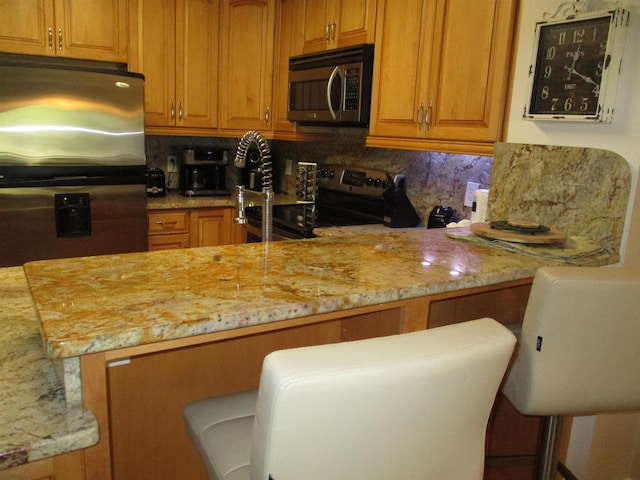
(241, 219)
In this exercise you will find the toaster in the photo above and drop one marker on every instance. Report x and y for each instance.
(156, 186)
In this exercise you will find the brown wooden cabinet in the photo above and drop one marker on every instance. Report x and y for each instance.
(246, 64)
(176, 48)
(197, 227)
(168, 229)
(95, 30)
(288, 43)
(148, 439)
(332, 24)
(510, 435)
(66, 466)
(209, 227)
(440, 74)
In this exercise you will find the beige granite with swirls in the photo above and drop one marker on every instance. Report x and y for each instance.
(35, 423)
(95, 304)
(580, 191)
(176, 200)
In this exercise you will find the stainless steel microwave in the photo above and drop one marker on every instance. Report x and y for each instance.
(332, 87)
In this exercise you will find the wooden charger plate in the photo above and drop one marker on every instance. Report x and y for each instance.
(542, 238)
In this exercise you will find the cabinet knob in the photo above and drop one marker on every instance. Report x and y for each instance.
(180, 112)
(60, 39)
(50, 38)
(267, 116)
(173, 111)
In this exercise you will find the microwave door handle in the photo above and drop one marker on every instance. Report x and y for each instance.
(332, 78)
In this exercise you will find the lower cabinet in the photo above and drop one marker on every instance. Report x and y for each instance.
(198, 227)
(512, 438)
(66, 466)
(148, 439)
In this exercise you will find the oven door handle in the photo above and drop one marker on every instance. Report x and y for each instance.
(332, 78)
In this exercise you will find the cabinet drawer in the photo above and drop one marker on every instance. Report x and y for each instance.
(174, 221)
(168, 242)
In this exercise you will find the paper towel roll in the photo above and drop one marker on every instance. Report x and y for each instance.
(479, 207)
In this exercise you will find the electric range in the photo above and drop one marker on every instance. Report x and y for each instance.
(339, 196)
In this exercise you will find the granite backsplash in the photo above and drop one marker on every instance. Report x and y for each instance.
(577, 190)
(432, 178)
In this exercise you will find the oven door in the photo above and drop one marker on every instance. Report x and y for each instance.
(254, 233)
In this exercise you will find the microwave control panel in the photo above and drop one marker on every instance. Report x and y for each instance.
(352, 88)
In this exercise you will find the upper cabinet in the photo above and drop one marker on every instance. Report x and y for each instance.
(331, 24)
(441, 74)
(288, 43)
(177, 51)
(94, 30)
(246, 64)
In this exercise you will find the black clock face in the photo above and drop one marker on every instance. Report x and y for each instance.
(570, 61)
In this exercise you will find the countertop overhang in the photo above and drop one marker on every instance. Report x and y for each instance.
(94, 304)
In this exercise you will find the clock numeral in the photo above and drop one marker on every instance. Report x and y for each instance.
(551, 53)
(544, 94)
(562, 37)
(568, 103)
(584, 105)
(554, 102)
(603, 47)
(578, 35)
(547, 71)
(596, 91)
(600, 69)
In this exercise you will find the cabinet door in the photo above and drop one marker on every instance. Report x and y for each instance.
(356, 21)
(209, 227)
(197, 34)
(24, 27)
(95, 30)
(316, 24)
(289, 43)
(401, 68)
(153, 53)
(338, 23)
(246, 64)
(469, 72)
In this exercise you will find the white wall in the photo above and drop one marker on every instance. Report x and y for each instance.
(596, 443)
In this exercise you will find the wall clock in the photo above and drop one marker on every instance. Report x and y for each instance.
(575, 68)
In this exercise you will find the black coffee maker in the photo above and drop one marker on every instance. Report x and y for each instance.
(203, 172)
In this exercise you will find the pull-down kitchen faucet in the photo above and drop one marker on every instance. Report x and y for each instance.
(253, 136)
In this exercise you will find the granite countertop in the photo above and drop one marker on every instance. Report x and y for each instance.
(103, 303)
(175, 200)
(35, 423)
(99, 303)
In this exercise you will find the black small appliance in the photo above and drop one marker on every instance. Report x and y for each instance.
(203, 172)
(156, 185)
(440, 216)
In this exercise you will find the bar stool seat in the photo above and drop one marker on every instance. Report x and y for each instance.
(405, 406)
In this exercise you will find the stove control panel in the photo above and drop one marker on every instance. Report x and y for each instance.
(356, 180)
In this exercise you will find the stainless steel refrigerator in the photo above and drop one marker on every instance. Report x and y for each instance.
(72, 161)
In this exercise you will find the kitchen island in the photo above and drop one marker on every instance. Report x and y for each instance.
(137, 336)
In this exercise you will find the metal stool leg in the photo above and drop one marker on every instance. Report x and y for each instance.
(547, 458)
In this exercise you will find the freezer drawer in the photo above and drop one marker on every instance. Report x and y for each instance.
(39, 223)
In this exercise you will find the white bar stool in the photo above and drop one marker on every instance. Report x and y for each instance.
(405, 406)
(578, 352)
